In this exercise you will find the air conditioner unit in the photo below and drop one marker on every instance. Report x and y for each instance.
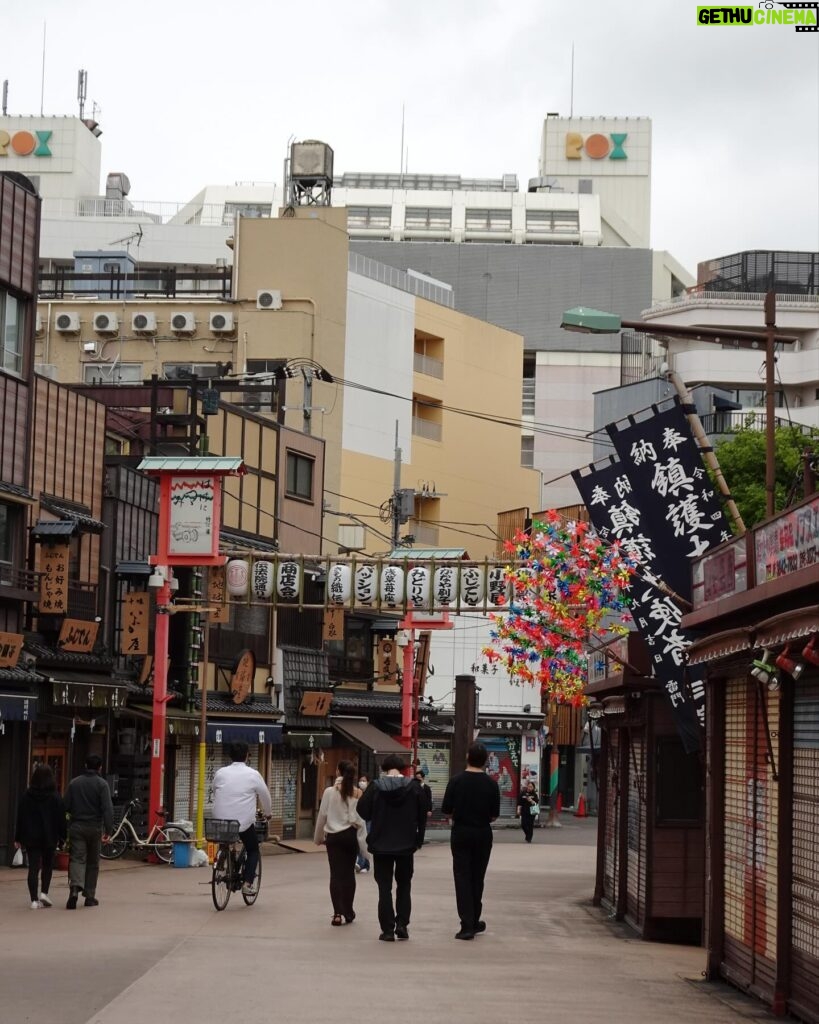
(91, 349)
(106, 323)
(38, 325)
(221, 323)
(67, 323)
(143, 323)
(183, 323)
(268, 298)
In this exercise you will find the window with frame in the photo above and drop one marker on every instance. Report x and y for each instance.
(108, 373)
(9, 519)
(552, 221)
(373, 218)
(428, 218)
(265, 393)
(527, 450)
(183, 371)
(488, 220)
(12, 318)
(299, 483)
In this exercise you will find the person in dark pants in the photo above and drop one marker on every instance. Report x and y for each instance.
(396, 809)
(91, 816)
(341, 830)
(40, 828)
(420, 779)
(239, 792)
(528, 809)
(472, 801)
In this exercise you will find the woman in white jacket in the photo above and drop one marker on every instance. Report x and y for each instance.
(341, 830)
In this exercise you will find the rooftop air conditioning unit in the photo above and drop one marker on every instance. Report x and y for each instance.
(67, 323)
(106, 323)
(38, 325)
(221, 323)
(268, 298)
(144, 323)
(183, 323)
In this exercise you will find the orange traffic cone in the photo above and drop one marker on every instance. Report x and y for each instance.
(559, 802)
(581, 807)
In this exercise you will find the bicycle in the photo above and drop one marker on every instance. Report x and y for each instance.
(229, 864)
(159, 840)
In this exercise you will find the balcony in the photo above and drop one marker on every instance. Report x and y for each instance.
(428, 365)
(165, 283)
(342, 667)
(18, 584)
(528, 397)
(426, 428)
(721, 425)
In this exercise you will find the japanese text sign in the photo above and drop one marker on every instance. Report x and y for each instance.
(54, 579)
(78, 636)
(134, 623)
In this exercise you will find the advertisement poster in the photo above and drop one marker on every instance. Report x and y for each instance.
(503, 765)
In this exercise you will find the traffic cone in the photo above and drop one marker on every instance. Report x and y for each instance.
(581, 807)
(559, 802)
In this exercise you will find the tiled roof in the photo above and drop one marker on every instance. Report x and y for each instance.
(53, 657)
(79, 516)
(191, 464)
(15, 489)
(366, 701)
(304, 669)
(413, 554)
(18, 675)
(222, 703)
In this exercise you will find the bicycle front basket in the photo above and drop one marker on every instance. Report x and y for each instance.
(221, 830)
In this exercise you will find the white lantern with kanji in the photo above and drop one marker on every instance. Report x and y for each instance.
(288, 579)
(261, 580)
(339, 581)
(418, 584)
(445, 584)
(472, 585)
(366, 584)
(498, 586)
(392, 586)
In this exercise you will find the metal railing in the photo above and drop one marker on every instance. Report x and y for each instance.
(528, 397)
(428, 365)
(694, 297)
(19, 579)
(732, 421)
(203, 214)
(426, 428)
(166, 283)
(366, 267)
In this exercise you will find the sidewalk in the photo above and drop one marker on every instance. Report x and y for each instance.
(156, 949)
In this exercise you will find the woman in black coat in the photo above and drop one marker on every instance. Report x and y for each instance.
(40, 827)
(528, 808)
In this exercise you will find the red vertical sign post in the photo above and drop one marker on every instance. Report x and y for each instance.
(190, 510)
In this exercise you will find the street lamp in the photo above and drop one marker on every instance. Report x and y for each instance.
(595, 321)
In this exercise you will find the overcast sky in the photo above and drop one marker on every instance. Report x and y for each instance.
(201, 93)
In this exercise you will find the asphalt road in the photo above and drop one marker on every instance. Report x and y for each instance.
(156, 950)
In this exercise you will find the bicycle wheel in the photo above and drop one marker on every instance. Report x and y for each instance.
(165, 838)
(220, 882)
(250, 898)
(114, 848)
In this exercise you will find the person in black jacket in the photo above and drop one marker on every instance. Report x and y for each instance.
(419, 778)
(88, 802)
(396, 810)
(40, 827)
(472, 801)
(528, 809)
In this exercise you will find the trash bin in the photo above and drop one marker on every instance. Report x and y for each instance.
(182, 854)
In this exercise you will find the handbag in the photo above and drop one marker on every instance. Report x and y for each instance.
(17, 859)
(534, 809)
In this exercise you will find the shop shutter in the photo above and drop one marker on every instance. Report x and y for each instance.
(612, 821)
(282, 781)
(636, 832)
(750, 838)
(804, 997)
(184, 785)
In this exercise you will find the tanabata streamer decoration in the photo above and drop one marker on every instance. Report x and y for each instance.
(567, 586)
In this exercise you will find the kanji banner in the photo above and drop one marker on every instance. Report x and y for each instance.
(54, 579)
(134, 623)
(605, 489)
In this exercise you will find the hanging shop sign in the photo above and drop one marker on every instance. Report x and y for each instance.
(315, 703)
(11, 645)
(788, 544)
(387, 661)
(242, 675)
(333, 625)
(217, 596)
(78, 636)
(54, 579)
(133, 637)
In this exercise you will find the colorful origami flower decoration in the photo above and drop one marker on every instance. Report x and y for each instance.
(567, 588)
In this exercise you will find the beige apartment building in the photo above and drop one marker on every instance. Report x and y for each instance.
(330, 344)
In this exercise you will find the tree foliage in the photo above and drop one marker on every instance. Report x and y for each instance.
(742, 460)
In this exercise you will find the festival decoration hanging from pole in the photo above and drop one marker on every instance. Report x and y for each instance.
(567, 587)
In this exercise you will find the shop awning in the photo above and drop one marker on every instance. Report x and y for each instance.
(244, 729)
(366, 735)
(719, 645)
(17, 707)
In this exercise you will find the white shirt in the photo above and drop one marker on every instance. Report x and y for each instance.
(236, 789)
(337, 814)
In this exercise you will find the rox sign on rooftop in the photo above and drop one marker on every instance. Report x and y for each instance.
(597, 146)
(24, 143)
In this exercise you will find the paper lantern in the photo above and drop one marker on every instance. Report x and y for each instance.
(392, 586)
(366, 585)
(418, 587)
(446, 580)
(498, 586)
(261, 576)
(472, 585)
(236, 577)
(288, 579)
(338, 584)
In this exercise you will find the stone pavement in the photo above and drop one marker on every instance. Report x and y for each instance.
(156, 950)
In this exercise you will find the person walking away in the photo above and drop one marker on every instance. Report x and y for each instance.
(420, 779)
(41, 827)
(341, 830)
(528, 809)
(472, 802)
(362, 861)
(91, 820)
(395, 808)
(238, 791)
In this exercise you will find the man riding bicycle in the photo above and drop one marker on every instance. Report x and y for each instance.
(237, 790)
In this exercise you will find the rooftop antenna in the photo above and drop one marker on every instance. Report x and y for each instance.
(401, 162)
(571, 93)
(82, 90)
(42, 76)
(5, 97)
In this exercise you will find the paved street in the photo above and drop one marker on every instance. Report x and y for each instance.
(156, 950)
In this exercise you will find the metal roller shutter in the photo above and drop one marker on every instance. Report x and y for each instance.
(184, 784)
(751, 808)
(612, 829)
(636, 864)
(804, 998)
(282, 781)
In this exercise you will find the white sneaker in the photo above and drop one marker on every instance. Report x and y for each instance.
(249, 889)
(35, 905)
(44, 900)
(366, 870)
